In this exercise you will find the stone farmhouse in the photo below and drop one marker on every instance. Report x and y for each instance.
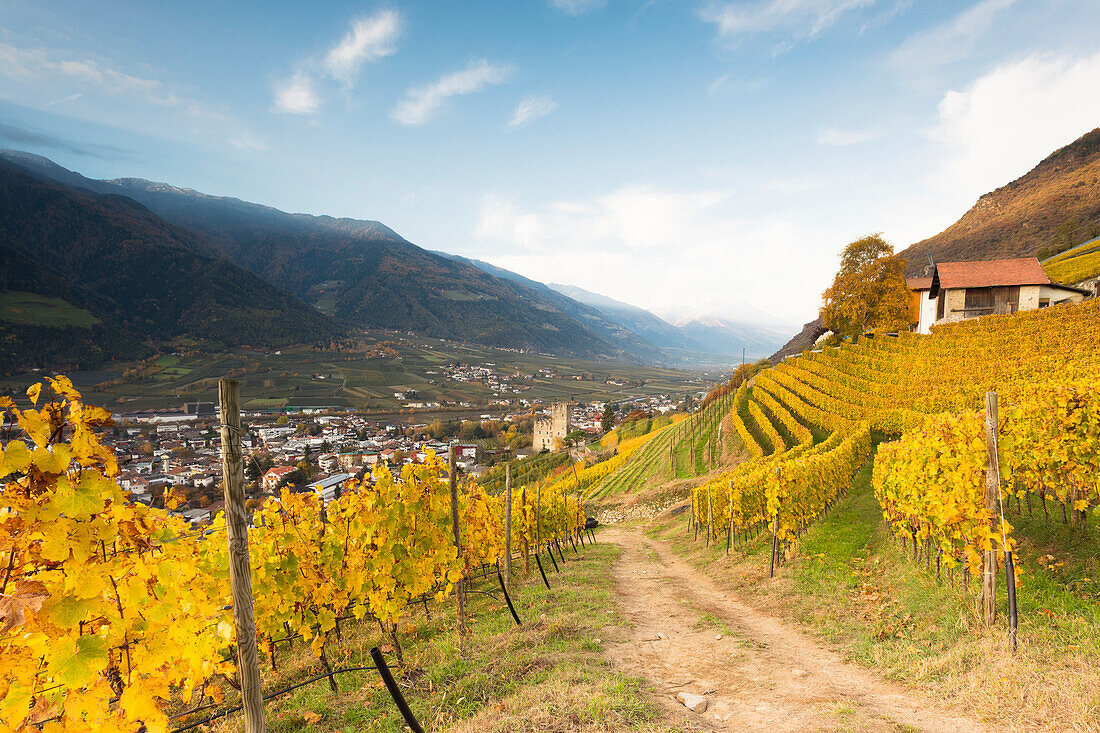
(957, 291)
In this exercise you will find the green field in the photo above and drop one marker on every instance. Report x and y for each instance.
(41, 310)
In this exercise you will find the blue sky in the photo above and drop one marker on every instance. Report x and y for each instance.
(688, 157)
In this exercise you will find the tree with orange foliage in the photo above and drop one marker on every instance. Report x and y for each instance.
(869, 292)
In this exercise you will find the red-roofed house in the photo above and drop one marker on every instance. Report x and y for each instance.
(273, 476)
(957, 291)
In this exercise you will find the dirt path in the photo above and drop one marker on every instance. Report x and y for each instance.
(757, 673)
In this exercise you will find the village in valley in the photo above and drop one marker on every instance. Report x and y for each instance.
(177, 453)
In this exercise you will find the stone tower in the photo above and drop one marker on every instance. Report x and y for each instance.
(548, 430)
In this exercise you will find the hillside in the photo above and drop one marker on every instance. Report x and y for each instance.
(1054, 206)
(142, 279)
(629, 340)
(361, 272)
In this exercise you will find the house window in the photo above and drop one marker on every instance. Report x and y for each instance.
(979, 299)
(1044, 302)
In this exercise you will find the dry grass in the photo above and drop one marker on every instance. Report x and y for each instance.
(546, 675)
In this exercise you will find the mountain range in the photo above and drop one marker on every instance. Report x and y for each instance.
(156, 263)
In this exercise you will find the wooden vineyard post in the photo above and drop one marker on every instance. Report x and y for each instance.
(710, 515)
(992, 494)
(240, 571)
(576, 480)
(694, 517)
(460, 588)
(508, 524)
(775, 531)
(526, 532)
(538, 515)
(729, 528)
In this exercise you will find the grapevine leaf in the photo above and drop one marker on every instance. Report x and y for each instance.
(82, 499)
(75, 662)
(141, 706)
(28, 595)
(16, 458)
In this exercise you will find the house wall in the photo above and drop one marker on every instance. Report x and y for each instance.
(927, 312)
(1029, 297)
(1056, 295)
(953, 308)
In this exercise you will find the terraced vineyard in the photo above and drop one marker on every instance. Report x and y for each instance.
(685, 449)
(807, 425)
(1075, 265)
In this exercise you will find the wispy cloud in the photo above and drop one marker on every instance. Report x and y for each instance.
(297, 95)
(736, 83)
(423, 103)
(248, 141)
(63, 100)
(844, 138)
(795, 20)
(531, 108)
(949, 42)
(369, 39)
(577, 7)
(1005, 121)
(49, 77)
(35, 64)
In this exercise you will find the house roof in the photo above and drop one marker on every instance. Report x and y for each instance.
(991, 273)
(279, 471)
(919, 283)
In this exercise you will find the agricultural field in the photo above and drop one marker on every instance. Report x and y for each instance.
(369, 379)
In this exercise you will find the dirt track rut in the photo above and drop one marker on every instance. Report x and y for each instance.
(765, 676)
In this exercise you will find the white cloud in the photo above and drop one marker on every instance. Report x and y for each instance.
(368, 40)
(796, 19)
(422, 103)
(577, 7)
(949, 42)
(36, 64)
(845, 138)
(531, 108)
(1006, 121)
(297, 95)
(661, 247)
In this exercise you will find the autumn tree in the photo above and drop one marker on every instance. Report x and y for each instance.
(869, 291)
